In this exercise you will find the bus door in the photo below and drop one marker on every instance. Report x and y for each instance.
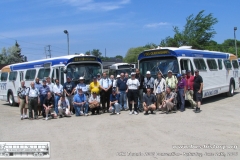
(21, 74)
(186, 64)
(58, 73)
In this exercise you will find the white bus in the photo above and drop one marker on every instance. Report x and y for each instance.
(74, 66)
(220, 71)
(118, 68)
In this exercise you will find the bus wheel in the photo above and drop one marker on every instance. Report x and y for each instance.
(231, 90)
(6, 154)
(11, 100)
(35, 154)
(40, 154)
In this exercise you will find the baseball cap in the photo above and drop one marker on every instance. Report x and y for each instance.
(43, 80)
(170, 71)
(94, 92)
(196, 70)
(98, 74)
(81, 78)
(114, 90)
(148, 72)
(118, 76)
(179, 75)
(94, 77)
(188, 71)
(133, 73)
(80, 88)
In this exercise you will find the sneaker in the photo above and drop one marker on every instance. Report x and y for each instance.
(72, 113)
(46, 118)
(136, 113)
(81, 114)
(86, 114)
(118, 113)
(26, 117)
(60, 116)
(112, 113)
(146, 113)
(131, 112)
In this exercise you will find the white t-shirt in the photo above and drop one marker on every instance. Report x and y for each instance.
(133, 84)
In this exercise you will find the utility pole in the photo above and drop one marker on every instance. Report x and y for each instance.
(105, 52)
(48, 50)
(235, 28)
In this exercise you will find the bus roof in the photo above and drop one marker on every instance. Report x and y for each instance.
(6, 69)
(63, 60)
(183, 52)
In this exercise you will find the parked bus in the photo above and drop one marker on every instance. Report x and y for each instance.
(118, 68)
(73, 66)
(220, 71)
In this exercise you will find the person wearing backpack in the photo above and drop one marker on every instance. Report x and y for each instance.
(159, 89)
(148, 82)
(171, 81)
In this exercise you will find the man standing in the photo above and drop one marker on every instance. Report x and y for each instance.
(171, 81)
(32, 99)
(94, 86)
(112, 83)
(50, 84)
(140, 78)
(168, 103)
(197, 90)
(159, 89)
(126, 75)
(189, 93)
(114, 103)
(105, 85)
(148, 82)
(38, 85)
(149, 102)
(63, 107)
(68, 88)
(122, 88)
(80, 103)
(133, 85)
(22, 90)
(94, 103)
(43, 90)
(181, 90)
(82, 85)
(48, 105)
(58, 91)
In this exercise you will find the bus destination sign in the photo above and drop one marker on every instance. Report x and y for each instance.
(152, 53)
(77, 59)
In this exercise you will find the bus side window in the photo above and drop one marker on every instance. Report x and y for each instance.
(12, 76)
(235, 64)
(200, 64)
(227, 64)
(220, 64)
(212, 65)
(30, 74)
(4, 76)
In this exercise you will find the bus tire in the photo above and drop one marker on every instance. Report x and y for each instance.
(11, 99)
(6, 154)
(230, 93)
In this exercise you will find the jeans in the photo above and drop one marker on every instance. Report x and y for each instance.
(123, 100)
(115, 108)
(140, 99)
(181, 99)
(56, 98)
(80, 108)
(42, 97)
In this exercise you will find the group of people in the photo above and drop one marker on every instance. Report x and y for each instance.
(106, 94)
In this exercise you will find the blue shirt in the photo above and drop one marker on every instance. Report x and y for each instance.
(114, 98)
(43, 90)
(122, 84)
(79, 98)
(38, 85)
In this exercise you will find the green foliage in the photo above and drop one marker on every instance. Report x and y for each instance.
(197, 32)
(96, 52)
(132, 54)
(119, 57)
(88, 53)
(12, 55)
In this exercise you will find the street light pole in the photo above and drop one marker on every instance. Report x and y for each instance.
(235, 28)
(66, 32)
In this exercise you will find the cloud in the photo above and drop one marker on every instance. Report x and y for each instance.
(155, 25)
(91, 5)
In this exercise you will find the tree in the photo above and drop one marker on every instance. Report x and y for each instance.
(12, 55)
(119, 57)
(197, 32)
(96, 52)
(132, 54)
(88, 53)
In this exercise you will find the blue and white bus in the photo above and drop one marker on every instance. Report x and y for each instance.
(220, 71)
(74, 66)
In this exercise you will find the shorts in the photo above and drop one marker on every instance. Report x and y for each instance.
(197, 96)
(23, 104)
(52, 111)
(133, 95)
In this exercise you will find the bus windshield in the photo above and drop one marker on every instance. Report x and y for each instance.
(163, 64)
(88, 71)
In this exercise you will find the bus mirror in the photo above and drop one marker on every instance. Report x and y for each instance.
(65, 71)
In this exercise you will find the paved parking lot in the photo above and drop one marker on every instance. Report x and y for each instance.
(132, 137)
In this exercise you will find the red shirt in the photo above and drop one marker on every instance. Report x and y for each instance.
(190, 80)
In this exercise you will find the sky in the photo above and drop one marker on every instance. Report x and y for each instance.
(112, 26)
